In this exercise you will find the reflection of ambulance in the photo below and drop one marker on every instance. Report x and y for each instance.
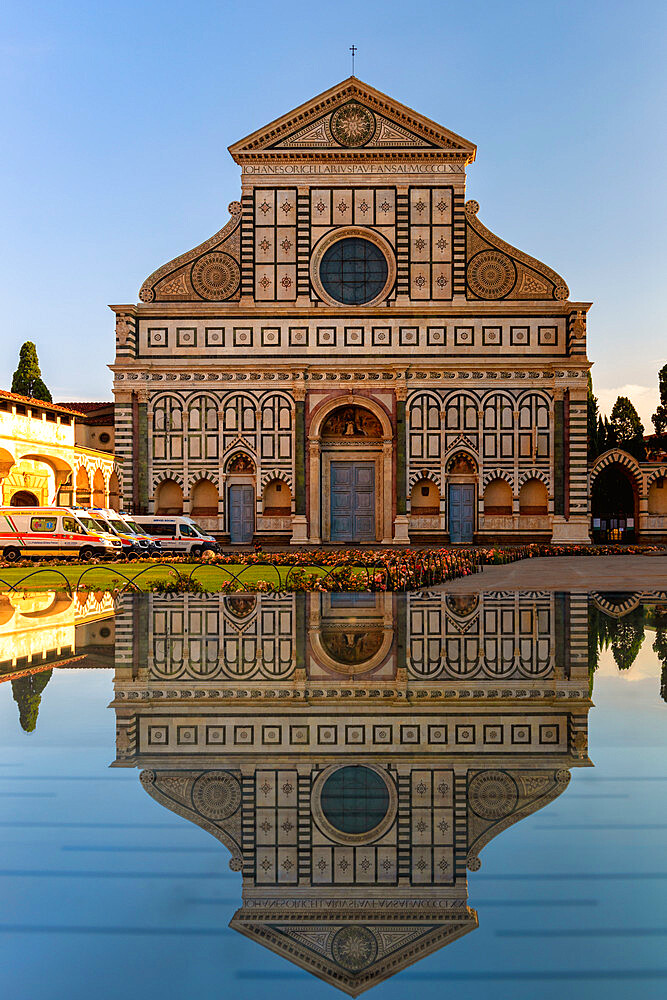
(51, 531)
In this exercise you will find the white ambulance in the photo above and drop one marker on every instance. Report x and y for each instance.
(27, 532)
(177, 534)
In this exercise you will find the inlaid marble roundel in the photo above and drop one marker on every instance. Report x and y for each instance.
(491, 275)
(354, 947)
(492, 794)
(216, 796)
(215, 276)
(352, 124)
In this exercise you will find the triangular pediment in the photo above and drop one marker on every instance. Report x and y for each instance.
(351, 119)
(353, 956)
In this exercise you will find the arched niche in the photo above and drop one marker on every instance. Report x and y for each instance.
(168, 498)
(204, 499)
(533, 498)
(498, 498)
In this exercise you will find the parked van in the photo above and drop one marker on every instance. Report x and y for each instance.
(177, 534)
(134, 542)
(52, 531)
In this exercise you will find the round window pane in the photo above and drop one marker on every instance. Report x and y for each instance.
(354, 799)
(353, 271)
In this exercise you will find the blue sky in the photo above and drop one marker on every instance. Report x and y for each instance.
(117, 117)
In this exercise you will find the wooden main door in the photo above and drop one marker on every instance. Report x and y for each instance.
(241, 514)
(352, 501)
(461, 512)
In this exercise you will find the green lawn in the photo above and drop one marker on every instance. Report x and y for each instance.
(107, 576)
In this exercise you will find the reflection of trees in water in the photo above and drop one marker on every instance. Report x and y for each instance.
(624, 635)
(27, 692)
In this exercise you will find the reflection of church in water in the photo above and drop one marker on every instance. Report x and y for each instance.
(353, 752)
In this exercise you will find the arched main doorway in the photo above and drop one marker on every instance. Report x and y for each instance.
(241, 477)
(614, 504)
(24, 498)
(461, 497)
(351, 473)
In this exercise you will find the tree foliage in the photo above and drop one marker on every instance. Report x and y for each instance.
(659, 418)
(627, 428)
(27, 379)
(27, 692)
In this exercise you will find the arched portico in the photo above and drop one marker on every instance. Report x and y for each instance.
(615, 490)
(351, 474)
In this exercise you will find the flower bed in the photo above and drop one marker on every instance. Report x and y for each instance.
(334, 570)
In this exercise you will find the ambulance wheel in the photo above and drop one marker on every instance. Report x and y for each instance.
(195, 551)
(11, 555)
(86, 554)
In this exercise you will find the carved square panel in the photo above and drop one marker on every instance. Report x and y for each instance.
(354, 734)
(186, 735)
(299, 735)
(493, 734)
(215, 337)
(465, 734)
(409, 336)
(298, 336)
(215, 735)
(270, 336)
(271, 735)
(381, 336)
(326, 336)
(521, 734)
(186, 336)
(354, 336)
(242, 336)
(158, 337)
(520, 336)
(464, 336)
(492, 336)
(441, 281)
(547, 336)
(327, 735)
(437, 734)
(265, 207)
(157, 735)
(382, 734)
(549, 734)
(410, 734)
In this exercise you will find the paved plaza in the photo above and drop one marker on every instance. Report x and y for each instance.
(637, 573)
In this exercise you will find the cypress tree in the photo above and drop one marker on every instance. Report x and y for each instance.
(27, 692)
(27, 379)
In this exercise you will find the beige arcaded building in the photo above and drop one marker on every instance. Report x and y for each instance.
(45, 460)
(354, 356)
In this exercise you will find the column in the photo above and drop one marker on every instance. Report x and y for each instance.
(221, 470)
(299, 520)
(142, 451)
(123, 439)
(401, 536)
(570, 520)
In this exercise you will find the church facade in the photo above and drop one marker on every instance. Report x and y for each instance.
(354, 357)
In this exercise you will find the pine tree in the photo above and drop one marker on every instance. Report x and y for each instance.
(628, 638)
(628, 428)
(27, 379)
(659, 418)
(27, 692)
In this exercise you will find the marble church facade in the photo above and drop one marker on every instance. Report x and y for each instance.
(354, 356)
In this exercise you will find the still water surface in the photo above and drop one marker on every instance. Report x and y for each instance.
(415, 793)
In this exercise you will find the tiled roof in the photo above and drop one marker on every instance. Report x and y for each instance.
(59, 407)
(86, 407)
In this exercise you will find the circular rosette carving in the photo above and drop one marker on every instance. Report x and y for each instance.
(216, 795)
(215, 276)
(473, 864)
(354, 948)
(352, 125)
(491, 275)
(561, 291)
(492, 794)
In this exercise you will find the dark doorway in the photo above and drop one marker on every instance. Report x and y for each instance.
(613, 506)
(24, 498)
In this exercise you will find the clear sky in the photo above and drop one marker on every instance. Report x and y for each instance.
(116, 119)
